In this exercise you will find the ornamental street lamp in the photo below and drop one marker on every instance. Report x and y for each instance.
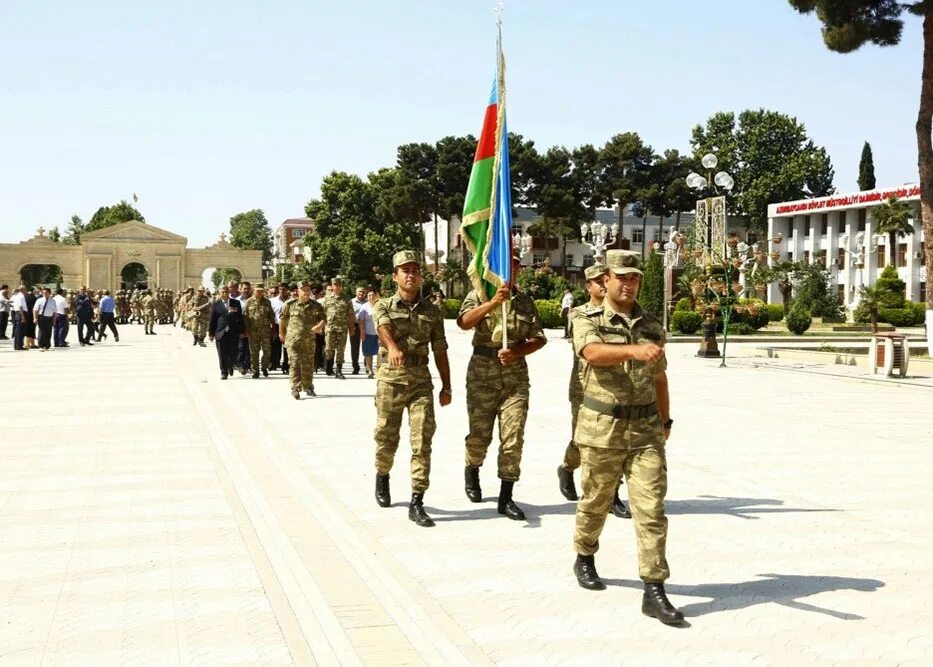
(710, 222)
(267, 269)
(599, 236)
(521, 243)
(672, 260)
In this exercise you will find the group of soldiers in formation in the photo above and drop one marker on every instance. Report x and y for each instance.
(619, 400)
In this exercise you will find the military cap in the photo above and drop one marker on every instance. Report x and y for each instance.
(406, 257)
(623, 261)
(594, 271)
(336, 279)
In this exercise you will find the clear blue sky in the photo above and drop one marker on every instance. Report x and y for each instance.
(205, 108)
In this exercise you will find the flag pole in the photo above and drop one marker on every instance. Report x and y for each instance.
(500, 86)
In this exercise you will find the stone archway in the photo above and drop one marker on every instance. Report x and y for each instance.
(213, 276)
(134, 275)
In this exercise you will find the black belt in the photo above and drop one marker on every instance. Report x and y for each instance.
(620, 411)
(492, 352)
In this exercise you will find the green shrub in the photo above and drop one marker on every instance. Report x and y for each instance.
(549, 312)
(893, 287)
(684, 304)
(775, 312)
(740, 329)
(686, 321)
(911, 315)
(451, 308)
(798, 319)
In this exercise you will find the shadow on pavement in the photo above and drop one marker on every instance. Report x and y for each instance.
(782, 589)
(743, 508)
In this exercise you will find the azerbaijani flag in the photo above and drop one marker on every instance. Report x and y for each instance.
(486, 225)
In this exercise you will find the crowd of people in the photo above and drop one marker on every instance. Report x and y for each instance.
(41, 318)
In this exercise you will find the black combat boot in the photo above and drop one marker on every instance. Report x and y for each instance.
(585, 570)
(416, 511)
(195, 341)
(201, 342)
(619, 508)
(329, 367)
(338, 372)
(565, 483)
(255, 375)
(506, 506)
(383, 499)
(471, 479)
(654, 603)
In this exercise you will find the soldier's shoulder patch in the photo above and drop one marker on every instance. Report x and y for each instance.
(591, 310)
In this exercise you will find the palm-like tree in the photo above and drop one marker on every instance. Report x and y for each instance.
(783, 274)
(893, 218)
(871, 298)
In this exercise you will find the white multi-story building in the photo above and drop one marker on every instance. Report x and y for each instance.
(839, 232)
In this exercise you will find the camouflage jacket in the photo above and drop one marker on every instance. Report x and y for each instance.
(301, 318)
(414, 328)
(521, 317)
(575, 390)
(627, 384)
(258, 315)
(200, 307)
(337, 309)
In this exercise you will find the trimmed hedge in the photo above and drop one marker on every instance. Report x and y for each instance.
(775, 312)
(798, 320)
(451, 308)
(911, 315)
(549, 312)
(683, 304)
(740, 329)
(686, 321)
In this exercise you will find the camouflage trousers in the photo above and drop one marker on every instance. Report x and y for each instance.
(335, 340)
(148, 320)
(300, 364)
(645, 470)
(391, 402)
(261, 341)
(572, 453)
(494, 391)
(199, 327)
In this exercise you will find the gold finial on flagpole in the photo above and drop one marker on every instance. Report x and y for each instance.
(500, 9)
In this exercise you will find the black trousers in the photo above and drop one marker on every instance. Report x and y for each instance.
(355, 348)
(85, 330)
(243, 358)
(45, 331)
(319, 351)
(227, 347)
(106, 320)
(4, 320)
(276, 351)
(19, 331)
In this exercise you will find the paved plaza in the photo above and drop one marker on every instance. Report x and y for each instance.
(152, 514)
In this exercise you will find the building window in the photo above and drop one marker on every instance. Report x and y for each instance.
(841, 291)
(881, 257)
(298, 233)
(539, 257)
(923, 291)
(806, 228)
(862, 213)
(568, 260)
(657, 235)
(902, 254)
(841, 258)
(637, 236)
(588, 260)
(824, 224)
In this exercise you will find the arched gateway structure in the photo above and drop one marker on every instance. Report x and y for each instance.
(103, 254)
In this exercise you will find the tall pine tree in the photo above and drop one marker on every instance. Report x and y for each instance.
(866, 169)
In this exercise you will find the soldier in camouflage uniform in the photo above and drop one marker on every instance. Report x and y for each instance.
(200, 308)
(407, 326)
(300, 321)
(260, 319)
(497, 385)
(136, 307)
(147, 307)
(622, 427)
(596, 290)
(340, 321)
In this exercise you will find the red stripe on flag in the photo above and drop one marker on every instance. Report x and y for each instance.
(486, 146)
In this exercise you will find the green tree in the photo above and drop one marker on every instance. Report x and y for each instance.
(866, 169)
(107, 216)
(250, 230)
(850, 24)
(890, 288)
(626, 161)
(73, 234)
(770, 156)
(651, 296)
(811, 291)
(893, 218)
(55, 236)
(783, 274)
(454, 164)
(870, 299)
(417, 165)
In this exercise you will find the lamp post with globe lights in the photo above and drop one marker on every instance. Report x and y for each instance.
(599, 236)
(710, 220)
(521, 243)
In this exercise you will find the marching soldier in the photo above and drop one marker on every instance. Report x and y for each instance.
(200, 307)
(147, 307)
(622, 426)
(497, 385)
(407, 326)
(259, 322)
(596, 290)
(340, 321)
(300, 320)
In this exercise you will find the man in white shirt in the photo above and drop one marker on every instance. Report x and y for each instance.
(20, 315)
(46, 312)
(6, 307)
(357, 302)
(566, 303)
(62, 315)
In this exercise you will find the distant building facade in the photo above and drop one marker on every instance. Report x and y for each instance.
(288, 241)
(839, 233)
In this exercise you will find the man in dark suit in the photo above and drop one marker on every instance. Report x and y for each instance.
(225, 328)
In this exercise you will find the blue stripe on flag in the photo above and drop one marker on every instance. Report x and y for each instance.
(500, 248)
